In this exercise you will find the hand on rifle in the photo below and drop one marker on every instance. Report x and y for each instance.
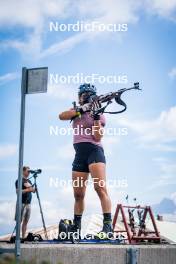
(95, 106)
(83, 108)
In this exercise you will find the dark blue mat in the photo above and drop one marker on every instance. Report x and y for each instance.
(81, 241)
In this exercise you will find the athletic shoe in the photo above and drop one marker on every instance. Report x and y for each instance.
(106, 233)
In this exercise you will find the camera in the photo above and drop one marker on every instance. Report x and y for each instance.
(35, 171)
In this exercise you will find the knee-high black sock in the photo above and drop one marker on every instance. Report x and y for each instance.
(107, 219)
(77, 220)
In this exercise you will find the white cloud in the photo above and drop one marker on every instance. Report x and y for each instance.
(29, 48)
(167, 171)
(162, 8)
(7, 213)
(158, 133)
(65, 45)
(30, 13)
(110, 144)
(7, 150)
(160, 159)
(105, 12)
(60, 91)
(35, 15)
(66, 151)
(52, 213)
(157, 147)
(8, 77)
(112, 11)
(173, 197)
(172, 73)
(168, 168)
(164, 180)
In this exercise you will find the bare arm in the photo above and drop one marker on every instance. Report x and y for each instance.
(67, 115)
(29, 189)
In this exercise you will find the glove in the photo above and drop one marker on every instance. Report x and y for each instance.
(96, 105)
(84, 108)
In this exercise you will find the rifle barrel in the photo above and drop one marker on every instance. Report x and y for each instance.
(112, 95)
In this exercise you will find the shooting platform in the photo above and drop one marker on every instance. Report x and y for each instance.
(95, 254)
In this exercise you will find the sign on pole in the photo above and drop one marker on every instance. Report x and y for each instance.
(37, 80)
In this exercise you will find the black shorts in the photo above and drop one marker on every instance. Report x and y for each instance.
(86, 154)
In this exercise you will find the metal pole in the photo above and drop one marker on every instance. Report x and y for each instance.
(132, 256)
(20, 165)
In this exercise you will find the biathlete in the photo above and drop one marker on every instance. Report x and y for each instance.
(89, 156)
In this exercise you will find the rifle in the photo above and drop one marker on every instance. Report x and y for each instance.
(107, 98)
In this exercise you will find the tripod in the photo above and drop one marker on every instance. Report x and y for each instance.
(40, 206)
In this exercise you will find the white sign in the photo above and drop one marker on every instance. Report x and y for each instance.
(37, 80)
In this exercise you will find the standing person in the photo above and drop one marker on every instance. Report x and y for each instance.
(27, 190)
(89, 156)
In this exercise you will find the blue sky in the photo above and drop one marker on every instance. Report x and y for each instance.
(145, 158)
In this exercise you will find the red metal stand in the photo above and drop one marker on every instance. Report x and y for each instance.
(136, 234)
